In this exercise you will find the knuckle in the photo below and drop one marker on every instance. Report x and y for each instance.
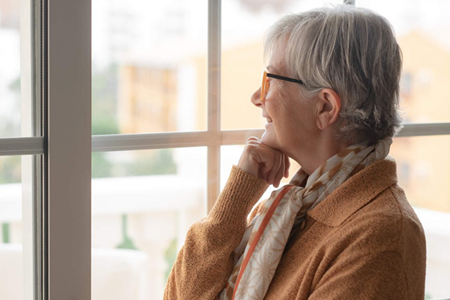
(249, 146)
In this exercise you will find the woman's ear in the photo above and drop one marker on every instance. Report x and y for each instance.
(328, 106)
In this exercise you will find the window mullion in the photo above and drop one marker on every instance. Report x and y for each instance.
(127, 142)
(69, 149)
(26, 146)
(23, 145)
(214, 71)
(423, 129)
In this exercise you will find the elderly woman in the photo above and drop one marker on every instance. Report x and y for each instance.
(342, 228)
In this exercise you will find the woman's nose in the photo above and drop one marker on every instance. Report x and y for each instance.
(256, 98)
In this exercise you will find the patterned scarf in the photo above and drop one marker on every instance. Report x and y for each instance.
(257, 256)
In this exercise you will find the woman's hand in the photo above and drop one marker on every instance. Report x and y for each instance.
(264, 162)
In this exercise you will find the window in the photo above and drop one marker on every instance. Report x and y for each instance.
(20, 151)
(16, 251)
(45, 130)
(170, 84)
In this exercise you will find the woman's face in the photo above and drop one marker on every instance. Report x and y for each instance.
(291, 125)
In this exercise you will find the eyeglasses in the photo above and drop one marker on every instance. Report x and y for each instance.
(265, 83)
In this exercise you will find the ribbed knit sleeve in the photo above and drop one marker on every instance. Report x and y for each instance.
(205, 262)
(239, 195)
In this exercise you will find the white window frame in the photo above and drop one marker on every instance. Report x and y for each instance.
(62, 259)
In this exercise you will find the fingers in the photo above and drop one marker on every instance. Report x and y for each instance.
(264, 162)
(280, 172)
(287, 164)
(274, 165)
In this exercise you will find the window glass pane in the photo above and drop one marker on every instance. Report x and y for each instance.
(15, 239)
(149, 66)
(143, 203)
(422, 170)
(13, 40)
(423, 33)
(422, 167)
(243, 25)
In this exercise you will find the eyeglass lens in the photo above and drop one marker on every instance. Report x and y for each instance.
(264, 86)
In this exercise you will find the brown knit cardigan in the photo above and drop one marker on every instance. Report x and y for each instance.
(363, 241)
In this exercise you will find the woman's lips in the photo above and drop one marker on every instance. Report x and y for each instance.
(268, 119)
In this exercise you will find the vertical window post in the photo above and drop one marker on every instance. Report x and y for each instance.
(214, 70)
(69, 149)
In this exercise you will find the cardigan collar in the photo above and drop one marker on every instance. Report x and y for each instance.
(354, 193)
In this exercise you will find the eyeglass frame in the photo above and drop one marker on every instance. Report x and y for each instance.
(264, 89)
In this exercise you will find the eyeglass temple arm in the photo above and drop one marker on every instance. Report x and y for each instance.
(284, 78)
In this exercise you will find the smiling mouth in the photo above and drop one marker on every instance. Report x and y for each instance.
(269, 120)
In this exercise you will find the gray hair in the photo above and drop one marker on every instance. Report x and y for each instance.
(352, 51)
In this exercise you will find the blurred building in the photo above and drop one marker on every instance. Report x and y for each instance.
(147, 99)
(424, 98)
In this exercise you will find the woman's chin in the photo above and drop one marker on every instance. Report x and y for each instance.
(268, 140)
